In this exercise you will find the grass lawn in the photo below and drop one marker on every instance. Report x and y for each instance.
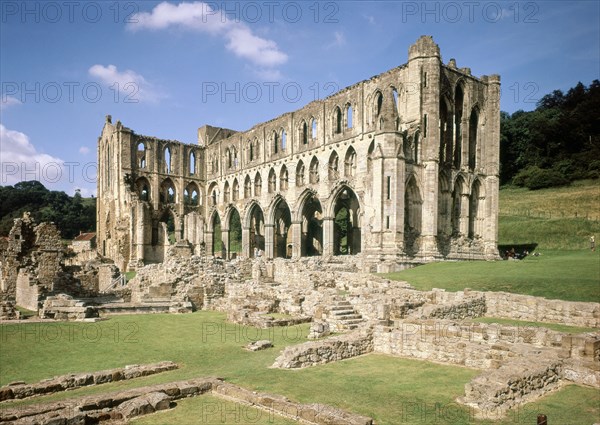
(564, 275)
(556, 218)
(384, 387)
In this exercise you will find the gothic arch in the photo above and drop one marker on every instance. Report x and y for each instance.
(350, 163)
(280, 217)
(272, 181)
(283, 178)
(473, 136)
(413, 215)
(336, 121)
(254, 221)
(476, 209)
(300, 174)
(459, 104)
(444, 204)
(226, 193)
(247, 187)
(168, 195)
(333, 167)
(257, 184)
(191, 195)
(143, 189)
(314, 170)
(460, 195)
(345, 209)
(235, 190)
(309, 213)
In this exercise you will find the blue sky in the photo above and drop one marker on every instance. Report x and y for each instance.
(165, 69)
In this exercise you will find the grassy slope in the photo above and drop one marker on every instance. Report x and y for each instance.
(392, 390)
(566, 270)
(565, 275)
(553, 218)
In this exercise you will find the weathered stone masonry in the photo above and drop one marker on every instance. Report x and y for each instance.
(410, 156)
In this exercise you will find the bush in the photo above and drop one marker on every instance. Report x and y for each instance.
(535, 178)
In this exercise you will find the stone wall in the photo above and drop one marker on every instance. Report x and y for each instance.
(479, 345)
(536, 309)
(18, 390)
(27, 291)
(64, 307)
(8, 311)
(124, 405)
(325, 351)
(493, 393)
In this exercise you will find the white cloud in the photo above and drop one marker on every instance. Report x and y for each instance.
(84, 150)
(21, 161)
(133, 87)
(200, 16)
(339, 39)
(8, 101)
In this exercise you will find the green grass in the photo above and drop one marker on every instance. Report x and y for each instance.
(553, 326)
(25, 313)
(384, 387)
(563, 275)
(209, 409)
(130, 275)
(555, 234)
(557, 218)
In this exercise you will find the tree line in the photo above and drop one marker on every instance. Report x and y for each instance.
(71, 214)
(554, 144)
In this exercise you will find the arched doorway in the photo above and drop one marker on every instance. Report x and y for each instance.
(282, 221)
(235, 234)
(346, 226)
(256, 231)
(217, 241)
(312, 227)
(412, 217)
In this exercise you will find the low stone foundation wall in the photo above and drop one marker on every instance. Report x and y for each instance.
(124, 405)
(20, 390)
(65, 307)
(8, 311)
(494, 392)
(536, 309)
(307, 413)
(325, 351)
(263, 320)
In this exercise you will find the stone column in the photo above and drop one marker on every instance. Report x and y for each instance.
(464, 214)
(246, 252)
(296, 239)
(140, 233)
(208, 238)
(328, 236)
(269, 229)
(225, 240)
(429, 209)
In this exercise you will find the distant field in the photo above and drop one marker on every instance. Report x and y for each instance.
(563, 275)
(557, 218)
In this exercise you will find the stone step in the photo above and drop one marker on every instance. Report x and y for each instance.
(342, 312)
(126, 308)
(349, 317)
(352, 321)
(340, 306)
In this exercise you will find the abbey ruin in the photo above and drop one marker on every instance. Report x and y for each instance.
(284, 224)
(401, 168)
